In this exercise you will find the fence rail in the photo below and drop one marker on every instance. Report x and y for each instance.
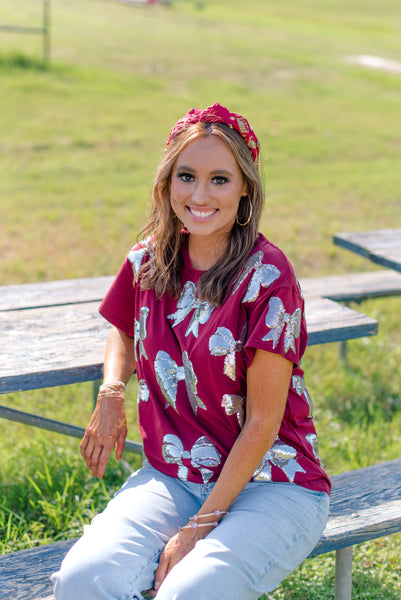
(44, 30)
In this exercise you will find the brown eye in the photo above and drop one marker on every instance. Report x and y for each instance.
(220, 179)
(185, 177)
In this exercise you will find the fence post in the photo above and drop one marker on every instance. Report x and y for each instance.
(46, 32)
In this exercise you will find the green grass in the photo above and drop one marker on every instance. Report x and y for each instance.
(79, 145)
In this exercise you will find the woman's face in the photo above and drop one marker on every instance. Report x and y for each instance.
(206, 188)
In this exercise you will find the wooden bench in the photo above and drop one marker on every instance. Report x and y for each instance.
(365, 504)
(353, 287)
(342, 288)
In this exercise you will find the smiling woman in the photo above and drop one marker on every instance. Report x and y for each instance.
(206, 189)
(232, 495)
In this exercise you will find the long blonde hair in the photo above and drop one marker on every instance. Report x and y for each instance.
(162, 272)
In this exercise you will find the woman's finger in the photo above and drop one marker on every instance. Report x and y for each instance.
(84, 442)
(161, 570)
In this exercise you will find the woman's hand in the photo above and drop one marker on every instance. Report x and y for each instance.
(107, 429)
(176, 548)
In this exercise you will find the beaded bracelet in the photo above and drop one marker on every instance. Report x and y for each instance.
(113, 389)
(216, 513)
(196, 525)
(195, 518)
(112, 384)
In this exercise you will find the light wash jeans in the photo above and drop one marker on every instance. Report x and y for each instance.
(269, 530)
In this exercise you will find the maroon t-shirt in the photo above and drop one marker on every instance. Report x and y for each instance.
(191, 363)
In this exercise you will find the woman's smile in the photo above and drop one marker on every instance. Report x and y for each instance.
(201, 213)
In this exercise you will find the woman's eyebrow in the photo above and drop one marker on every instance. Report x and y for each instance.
(214, 172)
(185, 168)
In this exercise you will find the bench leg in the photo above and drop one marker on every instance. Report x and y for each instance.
(343, 583)
(343, 350)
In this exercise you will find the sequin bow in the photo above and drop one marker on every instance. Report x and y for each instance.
(282, 456)
(222, 343)
(277, 318)
(136, 257)
(140, 332)
(219, 114)
(263, 275)
(168, 374)
(203, 455)
(298, 383)
(188, 302)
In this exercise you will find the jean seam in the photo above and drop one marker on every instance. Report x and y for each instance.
(301, 534)
(130, 594)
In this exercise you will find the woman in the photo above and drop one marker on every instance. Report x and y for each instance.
(232, 495)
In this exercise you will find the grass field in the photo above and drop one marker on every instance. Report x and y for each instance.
(79, 145)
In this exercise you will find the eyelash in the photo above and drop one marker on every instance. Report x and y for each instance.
(217, 179)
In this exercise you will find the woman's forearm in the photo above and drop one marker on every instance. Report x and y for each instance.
(242, 461)
(119, 361)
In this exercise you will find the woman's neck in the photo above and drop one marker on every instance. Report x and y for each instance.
(204, 252)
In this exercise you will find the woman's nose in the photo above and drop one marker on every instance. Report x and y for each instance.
(201, 194)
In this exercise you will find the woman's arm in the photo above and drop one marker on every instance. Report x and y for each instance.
(268, 380)
(108, 425)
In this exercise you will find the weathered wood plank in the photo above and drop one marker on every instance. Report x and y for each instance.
(382, 246)
(51, 346)
(367, 524)
(26, 575)
(328, 321)
(353, 286)
(60, 345)
(54, 293)
(364, 504)
(345, 287)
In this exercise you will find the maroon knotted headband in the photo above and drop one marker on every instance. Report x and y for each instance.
(219, 114)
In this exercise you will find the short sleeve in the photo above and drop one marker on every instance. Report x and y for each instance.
(118, 304)
(277, 324)
(275, 307)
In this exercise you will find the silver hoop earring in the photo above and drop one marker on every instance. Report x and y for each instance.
(249, 218)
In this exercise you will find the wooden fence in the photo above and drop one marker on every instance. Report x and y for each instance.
(44, 30)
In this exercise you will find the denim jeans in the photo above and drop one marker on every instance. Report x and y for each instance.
(269, 530)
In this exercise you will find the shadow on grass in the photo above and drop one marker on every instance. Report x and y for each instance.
(18, 61)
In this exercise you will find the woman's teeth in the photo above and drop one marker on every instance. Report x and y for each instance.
(203, 213)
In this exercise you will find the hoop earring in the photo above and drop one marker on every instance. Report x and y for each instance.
(250, 215)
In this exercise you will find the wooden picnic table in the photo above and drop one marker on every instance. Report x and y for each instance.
(56, 337)
(382, 246)
(51, 334)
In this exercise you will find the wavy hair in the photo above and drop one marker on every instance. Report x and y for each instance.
(162, 272)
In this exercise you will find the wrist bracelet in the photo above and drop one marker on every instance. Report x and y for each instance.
(216, 513)
(114, 389)
(195, 525)
(194, 520)
(112, 384)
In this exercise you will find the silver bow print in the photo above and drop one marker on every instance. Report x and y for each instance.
(222, 343)
(143, 391)
(168, 374)
(188, 302)
(235, 405)
(264, 276)
(203, 456)
(173, 453)
(282, 456)
(140, 332)
(277, 318)
(136, 257)
(311, 438)
(298, 383)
